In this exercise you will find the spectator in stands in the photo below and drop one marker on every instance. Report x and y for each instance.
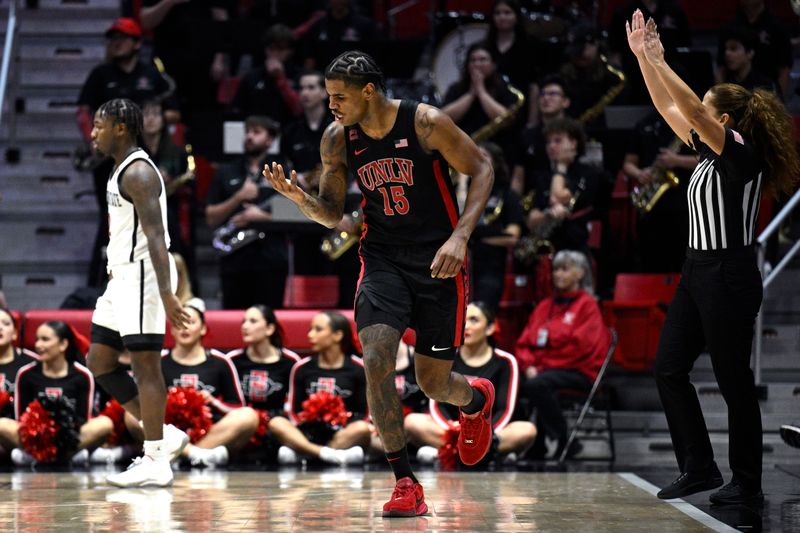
(122, 75)
(300, 146)
(662, 233)
(562, 346)
(190, 364)
(239, 201)
(268, 88)
(301, 138)
(58, 373)
(513, 49)
(565, 195)
(172, 162)
(11, 360)
(477, 357)
(773, 48)
(497, 231)
(341, 28)
(737, 50)
(531, 154)
(334, 368)
(592, 83)
(189, 37)
(673, 25)
(480, 96)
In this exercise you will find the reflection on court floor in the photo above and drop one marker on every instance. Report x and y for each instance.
(343, 500)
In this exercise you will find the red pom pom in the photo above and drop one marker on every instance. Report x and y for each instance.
(448, 452)
(5, 398)
(186, 409)
(323, 406)
(37, 433)
(261, 430)
(116, 413)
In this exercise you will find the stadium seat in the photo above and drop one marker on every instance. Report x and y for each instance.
(17, 317)
(637, 312)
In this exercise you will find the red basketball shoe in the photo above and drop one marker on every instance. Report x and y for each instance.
(407, 499)
(476, 429)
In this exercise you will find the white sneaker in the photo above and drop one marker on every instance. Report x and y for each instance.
(208, 457)
(143, 472)
(81, 457)
(287, 456)
(353, 456)
(176, 439)
(427, 455)
(21, 458)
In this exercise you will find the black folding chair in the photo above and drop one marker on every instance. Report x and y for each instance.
(587, 409)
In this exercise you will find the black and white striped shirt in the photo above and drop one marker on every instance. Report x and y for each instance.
(724, 194)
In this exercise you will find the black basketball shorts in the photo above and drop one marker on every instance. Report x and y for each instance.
(396, 289)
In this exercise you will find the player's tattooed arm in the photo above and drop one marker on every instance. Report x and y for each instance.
(141, 186)
(328, 207)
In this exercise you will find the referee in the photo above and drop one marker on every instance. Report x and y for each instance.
(744, 143)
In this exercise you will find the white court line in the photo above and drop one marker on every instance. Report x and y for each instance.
(679, 504)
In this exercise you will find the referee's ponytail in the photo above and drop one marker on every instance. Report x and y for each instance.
(762, 118)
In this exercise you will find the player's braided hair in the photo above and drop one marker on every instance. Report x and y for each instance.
(356, 68)
(124, 111)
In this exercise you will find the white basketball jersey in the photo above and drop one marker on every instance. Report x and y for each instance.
(126, 240)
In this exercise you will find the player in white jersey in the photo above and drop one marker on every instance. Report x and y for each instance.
(131, 315)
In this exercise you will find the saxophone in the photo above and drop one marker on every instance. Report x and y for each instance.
(644, 197)
(502, 120)
(336, 243)
(595, 111)
(532, 247)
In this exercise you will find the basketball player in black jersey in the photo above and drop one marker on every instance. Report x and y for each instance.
(413, 250)
(745, 145)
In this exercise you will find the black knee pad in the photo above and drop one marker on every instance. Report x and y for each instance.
(119, 384)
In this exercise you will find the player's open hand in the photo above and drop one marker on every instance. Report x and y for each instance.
(286, 186)
(176, 314)
(449, 258)
(653, 49)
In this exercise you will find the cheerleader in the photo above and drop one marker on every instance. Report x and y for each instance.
(336, 370)
(11, 360)
(58, 373)
(477, 358)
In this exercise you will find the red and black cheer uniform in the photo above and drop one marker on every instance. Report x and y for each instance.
(503, 372)
(349, 382)
(8, 376)
(77, 387)
(265, 386)
(216, 375)
(410, 210)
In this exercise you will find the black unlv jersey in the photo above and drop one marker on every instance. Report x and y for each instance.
(408, 195)
(8, 376)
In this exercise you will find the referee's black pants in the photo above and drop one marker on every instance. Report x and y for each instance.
(715, 305)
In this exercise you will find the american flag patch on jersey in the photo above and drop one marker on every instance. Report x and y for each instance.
(737, 137)
(402, 143)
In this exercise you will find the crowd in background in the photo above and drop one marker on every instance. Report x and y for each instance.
(535, 105)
